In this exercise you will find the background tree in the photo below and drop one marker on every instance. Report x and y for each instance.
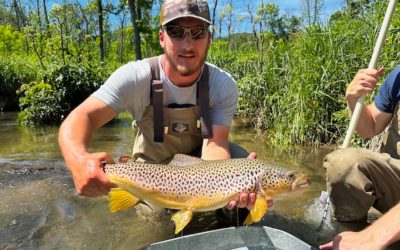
(311, 11)
(136, 34)
(228, 10)
(254, 19)
(101, 32)
(291, 78)
(271, 18)
(221, 20)
(213, 16)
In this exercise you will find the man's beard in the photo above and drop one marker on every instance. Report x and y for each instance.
(184, 70)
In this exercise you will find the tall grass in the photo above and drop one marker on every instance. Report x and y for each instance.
(295, 89)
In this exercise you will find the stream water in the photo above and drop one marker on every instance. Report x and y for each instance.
(39, 207)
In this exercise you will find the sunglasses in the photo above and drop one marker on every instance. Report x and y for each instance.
(179, 32)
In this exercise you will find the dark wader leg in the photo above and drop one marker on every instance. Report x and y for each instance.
(235, 150)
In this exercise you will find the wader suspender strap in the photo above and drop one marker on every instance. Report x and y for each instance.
(156, 97)
(204, 102)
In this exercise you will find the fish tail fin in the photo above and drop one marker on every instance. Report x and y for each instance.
(181, 219)
(120, 200)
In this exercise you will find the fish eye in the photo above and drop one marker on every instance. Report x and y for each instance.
(291, 175)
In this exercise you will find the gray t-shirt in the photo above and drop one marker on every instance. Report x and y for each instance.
(128, 88)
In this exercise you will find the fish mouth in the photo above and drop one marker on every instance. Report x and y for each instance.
(301, 182)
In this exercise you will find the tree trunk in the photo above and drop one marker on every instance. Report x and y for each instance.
(122, 38)
(221, 18)
(230, 21)
(46, 19)
(66, 29)
(136, 35)
(21, 22)
(261, 41)
(306, 12)
(46, 16)
(82, 38)
(101, 32)
(39, 28)
(17, 15)
(61, 40)
(213, 17)
(253, 24)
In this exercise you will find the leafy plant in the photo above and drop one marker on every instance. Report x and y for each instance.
(62, 89)
(13, 73)
(41, 103)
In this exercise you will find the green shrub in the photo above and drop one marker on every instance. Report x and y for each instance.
(13, 73)
(62, 89)
(41, 103)
(11, 41)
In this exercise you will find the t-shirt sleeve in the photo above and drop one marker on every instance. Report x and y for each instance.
(127, 88)
(223, 97)
(389, 93)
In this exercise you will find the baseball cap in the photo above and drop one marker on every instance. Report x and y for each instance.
(174, 9)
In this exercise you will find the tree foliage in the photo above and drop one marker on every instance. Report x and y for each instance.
(292, 72)
(61, 90)
(296, 91)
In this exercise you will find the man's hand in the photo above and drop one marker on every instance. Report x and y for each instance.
(372, 121)
(74, 138)
(363, 83)
(88, 175)
(377, 236)
(252, 155)
(246, 200)
(353, 241)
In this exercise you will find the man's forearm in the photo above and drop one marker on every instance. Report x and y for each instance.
(216, 148)
(387, 228)
(365, 126)
(76, 131)
(215, 151)
(75, 135)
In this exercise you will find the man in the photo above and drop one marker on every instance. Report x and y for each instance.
(166, 123)
(358, 179)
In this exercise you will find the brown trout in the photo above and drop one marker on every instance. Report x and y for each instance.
(189, 184)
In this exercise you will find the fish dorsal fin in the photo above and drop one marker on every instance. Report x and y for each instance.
(184, 160)
(120, 200)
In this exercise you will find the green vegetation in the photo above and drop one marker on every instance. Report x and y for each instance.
(291, 76)
(295, 89)
(60, 91)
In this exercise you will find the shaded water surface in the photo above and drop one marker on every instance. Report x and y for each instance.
(39, 207)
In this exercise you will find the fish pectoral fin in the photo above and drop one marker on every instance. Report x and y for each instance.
(120, 200)
(181, 219)
(258, 211)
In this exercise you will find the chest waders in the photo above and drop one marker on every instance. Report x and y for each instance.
(391, 138)
(165, 131)
(358, 178)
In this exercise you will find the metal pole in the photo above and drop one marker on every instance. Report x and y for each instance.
(372, 65)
